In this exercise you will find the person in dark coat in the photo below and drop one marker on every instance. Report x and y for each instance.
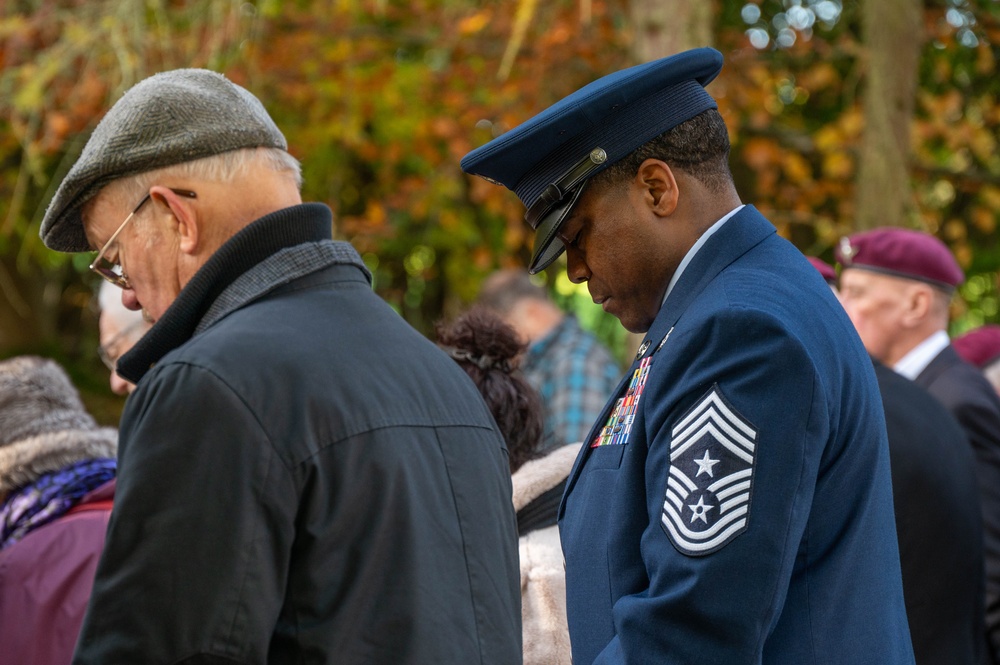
(488, 349)
(57, 484)
(938, 523)
(896, 285)
(304, 476)
(733, 503)
(938, 518)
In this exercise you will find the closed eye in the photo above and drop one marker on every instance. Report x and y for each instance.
(571, 239)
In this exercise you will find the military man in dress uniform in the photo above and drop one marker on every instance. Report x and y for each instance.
(733, 502)
(896, 285)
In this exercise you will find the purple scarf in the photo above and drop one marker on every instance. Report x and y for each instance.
(49, 497)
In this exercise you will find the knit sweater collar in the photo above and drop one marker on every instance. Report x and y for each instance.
(251, 246)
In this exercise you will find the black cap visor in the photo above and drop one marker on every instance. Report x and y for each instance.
(548, 246)
(548, 213)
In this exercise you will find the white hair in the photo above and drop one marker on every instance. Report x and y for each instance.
(224, 167)
(109, 298)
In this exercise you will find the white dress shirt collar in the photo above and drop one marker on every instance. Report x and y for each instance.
(697, 246)
(920, 356)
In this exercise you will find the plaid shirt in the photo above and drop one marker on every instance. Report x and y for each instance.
(575, 375)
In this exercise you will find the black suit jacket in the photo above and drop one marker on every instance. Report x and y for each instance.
(938, 523)
(972, 400)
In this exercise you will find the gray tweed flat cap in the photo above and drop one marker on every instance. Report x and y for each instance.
(168, 118)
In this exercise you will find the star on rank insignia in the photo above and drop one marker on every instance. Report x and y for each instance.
(712, 452)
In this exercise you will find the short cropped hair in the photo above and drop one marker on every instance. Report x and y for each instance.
(502, 290)
(699, 147)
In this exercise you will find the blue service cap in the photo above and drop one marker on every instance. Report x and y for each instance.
(548, 159)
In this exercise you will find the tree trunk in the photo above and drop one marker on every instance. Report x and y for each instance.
(664, 28)
(22, 314)
(892, 31)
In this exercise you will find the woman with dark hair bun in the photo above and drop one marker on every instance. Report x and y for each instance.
(488, 350)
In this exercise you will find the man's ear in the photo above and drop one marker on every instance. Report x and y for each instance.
(184, 214)
(659, 186)
(919, 300)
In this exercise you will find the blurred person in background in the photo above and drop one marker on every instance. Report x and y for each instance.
(896, 285)
(938, 518)
(980, 347)
(120, 328)
(57, 483)
(488, 350)
(572, 371)
(825, 270)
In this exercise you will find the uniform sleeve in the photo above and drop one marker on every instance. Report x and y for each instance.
(200, 536)
(735, 432)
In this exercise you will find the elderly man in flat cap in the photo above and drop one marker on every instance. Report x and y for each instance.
(303, 477)
(896, 285)
(733, 502)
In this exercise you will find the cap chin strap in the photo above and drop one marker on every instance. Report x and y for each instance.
(563, 188)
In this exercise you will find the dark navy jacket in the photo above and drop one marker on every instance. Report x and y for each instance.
(938, 523)
(967, 394)
(748, 516)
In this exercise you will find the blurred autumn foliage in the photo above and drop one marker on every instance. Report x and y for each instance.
(380, 99)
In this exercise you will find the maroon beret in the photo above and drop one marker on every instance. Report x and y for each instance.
(824, 268)
(903, 253)
(979, 346)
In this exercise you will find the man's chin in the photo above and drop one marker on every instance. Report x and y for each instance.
(633, 323)
(637, 329)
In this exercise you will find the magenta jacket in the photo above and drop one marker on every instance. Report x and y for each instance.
(45, 581)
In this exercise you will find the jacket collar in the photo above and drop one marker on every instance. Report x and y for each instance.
(943, 361)
(746, 229)
(250, 247)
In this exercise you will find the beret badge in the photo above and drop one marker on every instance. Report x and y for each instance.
(847, 252)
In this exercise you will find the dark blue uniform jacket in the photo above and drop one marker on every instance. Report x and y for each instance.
(742, 511)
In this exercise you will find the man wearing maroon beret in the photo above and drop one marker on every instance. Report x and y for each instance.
(825, 270)
(896, 285)
(938, 517)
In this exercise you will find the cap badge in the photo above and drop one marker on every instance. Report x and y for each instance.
(846, 250)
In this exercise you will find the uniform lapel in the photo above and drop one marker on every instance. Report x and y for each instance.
(941, 362)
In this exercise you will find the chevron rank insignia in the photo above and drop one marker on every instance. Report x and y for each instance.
(712, 452)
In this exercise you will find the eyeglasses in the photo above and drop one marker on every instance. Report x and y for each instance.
(112, 270)
(112, 351)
